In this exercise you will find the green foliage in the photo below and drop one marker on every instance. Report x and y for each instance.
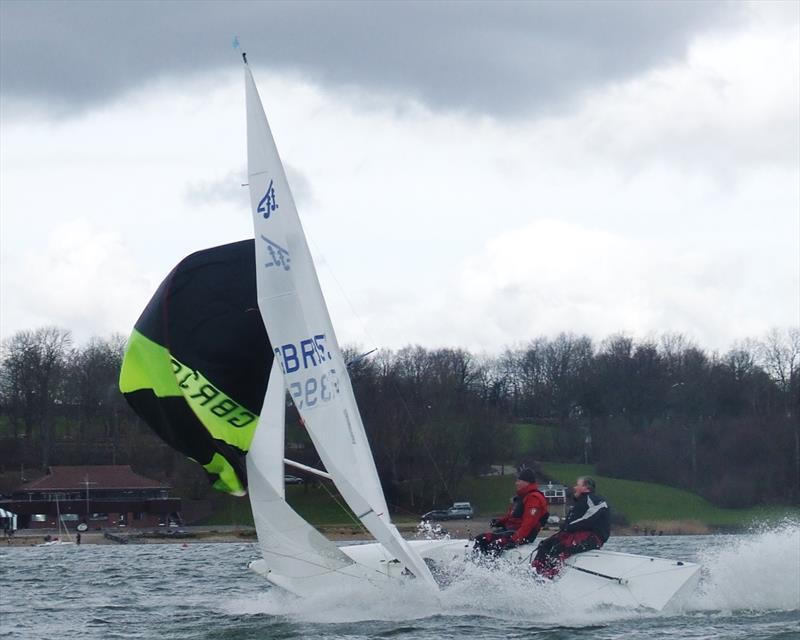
(528, 436)
(533, 437)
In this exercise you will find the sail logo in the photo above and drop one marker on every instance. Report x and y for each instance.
(268, 203)
(280, 256)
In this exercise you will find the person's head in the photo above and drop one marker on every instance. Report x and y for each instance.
(525, 477)
(583, 484)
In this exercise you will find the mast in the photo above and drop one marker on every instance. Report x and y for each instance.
(303, 340)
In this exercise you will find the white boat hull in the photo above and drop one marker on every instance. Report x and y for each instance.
(631, 581)
(594, 578)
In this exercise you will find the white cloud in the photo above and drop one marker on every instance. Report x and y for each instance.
(81, 277)
(552, 276)
(667, 203)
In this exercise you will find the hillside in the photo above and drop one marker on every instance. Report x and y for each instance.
(641, 503)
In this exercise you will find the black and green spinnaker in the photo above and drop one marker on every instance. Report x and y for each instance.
(198, 360)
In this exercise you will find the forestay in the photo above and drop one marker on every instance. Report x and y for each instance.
(294, 312)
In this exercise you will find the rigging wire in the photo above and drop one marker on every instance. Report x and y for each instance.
(413, 422)
(344, 508)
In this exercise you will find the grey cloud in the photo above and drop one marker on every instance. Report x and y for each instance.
(489, 57)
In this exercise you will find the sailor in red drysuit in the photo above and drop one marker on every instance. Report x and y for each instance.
(523, 521)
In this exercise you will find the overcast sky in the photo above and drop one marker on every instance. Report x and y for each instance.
(469, 174)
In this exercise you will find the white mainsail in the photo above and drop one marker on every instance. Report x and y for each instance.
(294, 312)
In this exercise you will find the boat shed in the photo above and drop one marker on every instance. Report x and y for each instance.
(556, 495)
(98, 497)
(8, 521)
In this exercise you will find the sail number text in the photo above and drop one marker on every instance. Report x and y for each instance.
(314, 390)
(305, 357)
(307, 354)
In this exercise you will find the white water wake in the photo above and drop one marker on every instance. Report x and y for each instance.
(754, 572)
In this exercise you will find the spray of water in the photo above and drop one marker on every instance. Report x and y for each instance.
(472, 591)
(504, 591)
(758, 571)
(755, 572)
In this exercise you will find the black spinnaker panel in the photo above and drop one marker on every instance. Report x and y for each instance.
(198, 360)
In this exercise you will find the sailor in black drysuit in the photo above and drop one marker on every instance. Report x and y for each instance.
(586, 527)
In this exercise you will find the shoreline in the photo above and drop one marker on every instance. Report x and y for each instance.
(233, 534)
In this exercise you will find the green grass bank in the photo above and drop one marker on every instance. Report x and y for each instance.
(644, 504)
(640, 502)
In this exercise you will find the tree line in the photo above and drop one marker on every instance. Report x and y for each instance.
(661, 409)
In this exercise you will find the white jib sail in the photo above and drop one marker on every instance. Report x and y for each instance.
(296, 318)
(266, 449)
(290, 546)
(298, 557)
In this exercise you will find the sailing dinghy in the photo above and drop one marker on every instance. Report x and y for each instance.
(58, 541)
(309, 364)
(208, 365)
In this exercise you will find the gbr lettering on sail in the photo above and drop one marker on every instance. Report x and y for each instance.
(306, 361)
(310, 359)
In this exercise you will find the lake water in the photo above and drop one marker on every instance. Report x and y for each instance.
(750, 590)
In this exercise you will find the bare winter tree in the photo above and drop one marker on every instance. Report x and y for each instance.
(33, 363)
(779, 354)
(657, 409)
(18, 359)
(92, 386)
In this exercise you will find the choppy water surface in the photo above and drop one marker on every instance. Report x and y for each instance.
(750, 589)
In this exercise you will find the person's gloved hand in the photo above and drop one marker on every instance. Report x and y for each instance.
(494, 522)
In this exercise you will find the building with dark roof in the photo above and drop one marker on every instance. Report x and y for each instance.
(97, 496)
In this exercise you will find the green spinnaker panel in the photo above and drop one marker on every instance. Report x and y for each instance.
(198, 360)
